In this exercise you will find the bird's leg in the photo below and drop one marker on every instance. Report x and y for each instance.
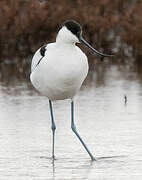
(53, 127)
(75, 131)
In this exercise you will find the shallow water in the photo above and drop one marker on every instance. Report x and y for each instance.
(111, 129)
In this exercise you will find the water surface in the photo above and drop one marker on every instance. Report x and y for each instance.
(111, 129)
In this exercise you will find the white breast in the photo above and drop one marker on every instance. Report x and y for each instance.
(61, 71)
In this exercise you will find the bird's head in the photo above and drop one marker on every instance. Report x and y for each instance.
(71, 32)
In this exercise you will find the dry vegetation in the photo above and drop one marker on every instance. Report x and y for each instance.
(27, 24)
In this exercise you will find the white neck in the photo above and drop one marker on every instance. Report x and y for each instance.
(65, 43)
(65, 36)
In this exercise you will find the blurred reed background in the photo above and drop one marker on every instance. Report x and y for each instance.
(109, 26)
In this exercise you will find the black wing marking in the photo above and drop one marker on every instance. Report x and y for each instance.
(42, 52)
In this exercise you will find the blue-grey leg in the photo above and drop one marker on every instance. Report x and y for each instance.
(75, 131)
(53, 127)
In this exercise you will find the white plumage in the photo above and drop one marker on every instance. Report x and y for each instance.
(62, 70)
(59, 69)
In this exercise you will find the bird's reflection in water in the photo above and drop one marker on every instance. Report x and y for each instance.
(72, 165)
(83, 169)
(53, 168)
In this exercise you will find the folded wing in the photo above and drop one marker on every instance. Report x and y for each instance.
(40, 53)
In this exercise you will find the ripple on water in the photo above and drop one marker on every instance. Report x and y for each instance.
(111, 130)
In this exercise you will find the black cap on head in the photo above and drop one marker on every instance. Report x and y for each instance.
(73, 26)
(76, 29)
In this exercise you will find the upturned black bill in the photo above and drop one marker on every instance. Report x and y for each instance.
(94, 50)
